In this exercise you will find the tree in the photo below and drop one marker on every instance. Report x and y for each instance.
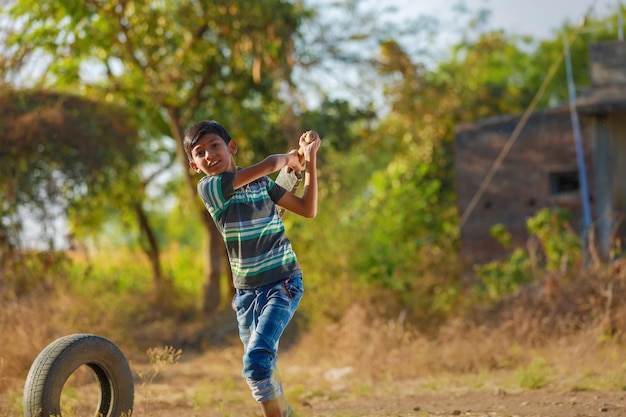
(170, 62)
(59, 152)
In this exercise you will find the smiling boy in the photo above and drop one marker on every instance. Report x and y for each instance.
(266, 274)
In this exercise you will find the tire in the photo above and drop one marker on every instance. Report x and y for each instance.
(61, 358)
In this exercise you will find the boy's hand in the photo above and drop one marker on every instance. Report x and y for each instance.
(295, 162)
(309, 144)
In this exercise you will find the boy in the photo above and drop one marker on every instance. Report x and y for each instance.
(266, 274)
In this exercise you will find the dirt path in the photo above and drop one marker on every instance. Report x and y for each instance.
(209, 385)
(480, 403)
(325, 376)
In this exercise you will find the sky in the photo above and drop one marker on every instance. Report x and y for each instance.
(539, 18)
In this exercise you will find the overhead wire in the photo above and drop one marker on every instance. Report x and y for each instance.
(523, 120)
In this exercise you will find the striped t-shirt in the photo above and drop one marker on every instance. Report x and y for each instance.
(258, 249)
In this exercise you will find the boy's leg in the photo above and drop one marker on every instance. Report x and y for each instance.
(272, 408)
(278, 306)
(268, 407)
(280, 393)
(277, 407)
(271, 396)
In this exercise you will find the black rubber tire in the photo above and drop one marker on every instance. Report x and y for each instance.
(61, 358)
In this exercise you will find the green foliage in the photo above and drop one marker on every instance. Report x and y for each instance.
(117, 270)
(24, 272)
(401, 221)
(560, 250)
(493, 73)
(499, 232)
(340, 124)
(60, 152)
(324, 244)
(169, 64)
(387, 218)
(187, 279)
(561, 245)
(118, 280)
(402, 211)
(489, 75)
(397, 208)
(502, 278)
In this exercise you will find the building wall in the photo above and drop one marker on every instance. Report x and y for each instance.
(617, 128)
(607, 63)
(535, 174)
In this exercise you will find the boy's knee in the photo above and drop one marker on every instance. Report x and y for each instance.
(258, 364)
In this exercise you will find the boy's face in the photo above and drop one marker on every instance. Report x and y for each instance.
(212, 156)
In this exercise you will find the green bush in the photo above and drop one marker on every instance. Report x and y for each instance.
(559, 248)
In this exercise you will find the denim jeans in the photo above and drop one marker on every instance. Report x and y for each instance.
(262, 316)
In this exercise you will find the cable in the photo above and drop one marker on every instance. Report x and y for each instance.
(522, 123)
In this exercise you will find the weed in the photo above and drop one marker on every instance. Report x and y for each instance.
(160, 357)
(552, 246)
(535, 375)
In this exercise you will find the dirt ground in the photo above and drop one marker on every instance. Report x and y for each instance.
(209, 385)
(481, 403)
(356, 368)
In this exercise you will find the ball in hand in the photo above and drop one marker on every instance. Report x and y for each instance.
(311, 135)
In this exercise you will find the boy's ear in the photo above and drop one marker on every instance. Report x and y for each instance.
(232, 145)
(194, 166)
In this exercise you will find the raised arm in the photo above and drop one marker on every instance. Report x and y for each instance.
(306, 205)
(267, 166)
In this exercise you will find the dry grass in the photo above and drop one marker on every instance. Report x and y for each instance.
(377, 350)
(26, 326)
(561, 332)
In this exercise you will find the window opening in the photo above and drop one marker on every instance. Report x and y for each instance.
(564, 182)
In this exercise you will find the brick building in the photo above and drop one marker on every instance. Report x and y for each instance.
(541, 170)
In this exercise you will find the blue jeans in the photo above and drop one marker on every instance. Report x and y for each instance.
(262, 316)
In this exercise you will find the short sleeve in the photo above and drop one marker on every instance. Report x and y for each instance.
(216, 191)
(275, 191)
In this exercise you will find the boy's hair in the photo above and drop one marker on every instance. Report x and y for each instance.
(198, 130)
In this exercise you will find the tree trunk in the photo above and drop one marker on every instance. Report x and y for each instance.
(212, 265)
(213, 249)
(152, 251)
(162, 290)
